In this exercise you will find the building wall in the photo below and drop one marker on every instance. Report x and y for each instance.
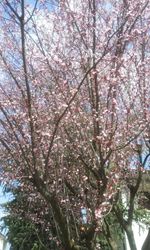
(1, 243)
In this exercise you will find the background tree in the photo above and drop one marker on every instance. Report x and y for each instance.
(28, 222)
(126, 210)
(74, 97)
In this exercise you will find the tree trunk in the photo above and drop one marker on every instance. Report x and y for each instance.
(146, 245)
(130, 237)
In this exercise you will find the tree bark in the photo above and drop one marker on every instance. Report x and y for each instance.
(146, 245)
(130, 237)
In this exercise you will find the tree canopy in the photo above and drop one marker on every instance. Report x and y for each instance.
(74, 109)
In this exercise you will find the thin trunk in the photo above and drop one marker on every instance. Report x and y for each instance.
(146, 245)
(130, 237)
(60, 219)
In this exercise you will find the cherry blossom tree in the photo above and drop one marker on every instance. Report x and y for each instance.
(74, 100)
